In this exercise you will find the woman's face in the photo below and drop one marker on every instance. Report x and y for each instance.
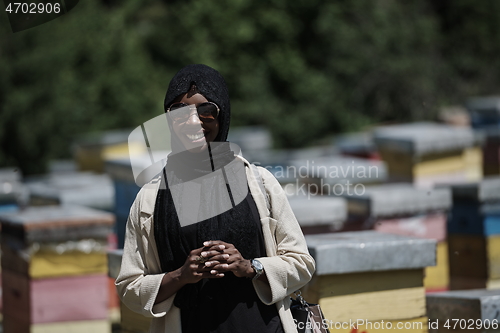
(195, 134)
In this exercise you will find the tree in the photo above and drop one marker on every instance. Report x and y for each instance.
(83, 72)
(306, 69)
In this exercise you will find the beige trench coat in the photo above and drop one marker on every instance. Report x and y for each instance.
(288, 265)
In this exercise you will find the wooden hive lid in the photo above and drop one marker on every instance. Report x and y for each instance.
(368, 251)
(340, 169)
(75, 188)
(399, 199)
(57, 223)
(424, 138)
(487, 189)
(464, 304)
(488, 104)
(319, 210)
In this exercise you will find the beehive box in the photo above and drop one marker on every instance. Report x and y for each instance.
(37, 301)
(54, 268)
(125, 189)
(319, 214)
(464, 310)
(275, 161)
(370, 276)
(51, 259)
(93, 150)
(472, 205)
(281, 162)
(404, 209)
(76, 188)
(474, 235)
(491, 152)
(114, 264)
(82, 326)
(484, 111)
(56, 223)
(429, 153)
(357, 145)
(251, 138)
(130, 322)
(12, 190)
(12, 194)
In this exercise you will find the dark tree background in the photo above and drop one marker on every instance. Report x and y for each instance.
(307, 69)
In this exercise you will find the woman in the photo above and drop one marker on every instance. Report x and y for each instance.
(232, 271)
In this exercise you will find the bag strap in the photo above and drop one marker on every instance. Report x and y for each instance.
(260, 181)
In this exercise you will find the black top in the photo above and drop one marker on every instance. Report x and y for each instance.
(230, 304)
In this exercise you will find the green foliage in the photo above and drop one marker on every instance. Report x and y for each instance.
(309, 69)
(470, 44)
(85, 71)
(306, 69)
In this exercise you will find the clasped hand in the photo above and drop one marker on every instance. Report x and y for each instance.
(219, 257)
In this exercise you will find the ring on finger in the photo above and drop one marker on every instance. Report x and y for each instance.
(201, 259)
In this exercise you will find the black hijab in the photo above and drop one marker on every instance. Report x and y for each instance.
(172, 246)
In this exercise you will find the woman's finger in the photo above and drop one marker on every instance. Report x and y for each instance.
(216, 247)
(210, 254)
(210, 264)
(212, 274)
(195, 259)
(217, 242)
(221, 267)
(211, 243)
(217, 259)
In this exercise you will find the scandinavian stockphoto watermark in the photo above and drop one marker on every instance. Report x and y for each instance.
(338, 177)
(204, 182)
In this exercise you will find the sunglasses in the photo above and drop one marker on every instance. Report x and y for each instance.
(207, 112)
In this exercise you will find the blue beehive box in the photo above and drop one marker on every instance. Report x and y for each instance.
(484, 111)
(474, 235)
(127, 178)
(476, 208)
(126, 190)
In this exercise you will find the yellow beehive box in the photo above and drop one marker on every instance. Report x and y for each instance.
(91, 152)
(84, 326)
(370, 276)
(438, 277)
(388, 295)
(429, 153)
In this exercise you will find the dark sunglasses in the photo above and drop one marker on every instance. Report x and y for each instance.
(207, 112)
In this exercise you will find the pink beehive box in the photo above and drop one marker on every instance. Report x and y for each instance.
(56, 299)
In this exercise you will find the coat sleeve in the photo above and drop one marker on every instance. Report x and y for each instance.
(137, 284)
(292, 266)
